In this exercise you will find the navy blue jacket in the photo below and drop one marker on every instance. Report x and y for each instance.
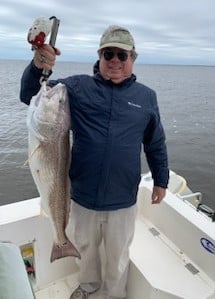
(109, 123)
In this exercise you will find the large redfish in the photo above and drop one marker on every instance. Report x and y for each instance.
(48, 123)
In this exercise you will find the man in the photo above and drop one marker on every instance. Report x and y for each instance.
(112, 115)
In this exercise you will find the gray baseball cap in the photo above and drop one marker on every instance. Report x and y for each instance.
(116, 36)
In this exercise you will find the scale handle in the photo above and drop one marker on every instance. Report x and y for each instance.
(52, 41)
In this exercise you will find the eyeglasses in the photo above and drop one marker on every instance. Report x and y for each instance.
(109, 54)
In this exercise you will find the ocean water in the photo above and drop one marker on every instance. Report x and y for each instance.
(186, 97)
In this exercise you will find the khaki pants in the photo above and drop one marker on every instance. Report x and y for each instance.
(116, 229)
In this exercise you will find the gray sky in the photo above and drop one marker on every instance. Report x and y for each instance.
(165, 31)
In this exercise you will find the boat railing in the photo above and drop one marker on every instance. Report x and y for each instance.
(196, 195)
(195, 199)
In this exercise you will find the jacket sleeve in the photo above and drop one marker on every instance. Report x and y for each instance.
(30, 83)
(155, 147)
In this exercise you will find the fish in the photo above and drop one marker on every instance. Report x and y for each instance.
(48, 123)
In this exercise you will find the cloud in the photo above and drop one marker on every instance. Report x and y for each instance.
(166, 31)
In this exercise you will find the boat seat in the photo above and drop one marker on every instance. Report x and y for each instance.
(177, 183)
(14, 282)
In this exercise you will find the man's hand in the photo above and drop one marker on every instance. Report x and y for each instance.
(45, 56)
(158, 193)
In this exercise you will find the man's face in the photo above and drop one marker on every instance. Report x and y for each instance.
(116, 64)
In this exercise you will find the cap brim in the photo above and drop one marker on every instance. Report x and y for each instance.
(116, 45)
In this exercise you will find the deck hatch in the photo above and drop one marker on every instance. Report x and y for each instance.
(192, 268)
(154, 231)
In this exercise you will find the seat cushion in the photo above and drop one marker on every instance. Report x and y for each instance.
(14, 282)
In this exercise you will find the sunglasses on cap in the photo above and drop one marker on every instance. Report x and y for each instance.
(109, 54)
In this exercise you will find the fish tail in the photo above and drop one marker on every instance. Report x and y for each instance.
(60, 251)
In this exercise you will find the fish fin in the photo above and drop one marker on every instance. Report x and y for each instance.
(43, 212)
(26, 162)
(60, 251)
(32, 153)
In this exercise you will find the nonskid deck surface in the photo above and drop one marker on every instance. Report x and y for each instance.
(62, 289)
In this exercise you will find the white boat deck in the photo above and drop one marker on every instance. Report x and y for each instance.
(150, 271)
(62, 289)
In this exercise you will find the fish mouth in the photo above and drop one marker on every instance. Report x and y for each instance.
(60, 89)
